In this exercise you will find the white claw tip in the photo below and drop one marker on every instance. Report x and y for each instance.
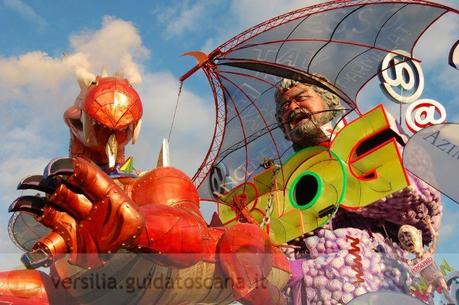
(164, 156)
(111, 149)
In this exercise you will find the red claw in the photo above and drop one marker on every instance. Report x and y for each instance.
(103, 221)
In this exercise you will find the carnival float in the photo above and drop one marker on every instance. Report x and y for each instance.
(318, 202)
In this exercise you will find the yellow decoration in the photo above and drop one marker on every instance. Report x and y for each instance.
(304, 194)
(378, 172)
(128, 166)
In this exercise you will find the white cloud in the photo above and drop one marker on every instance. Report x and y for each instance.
(449, 227)
(10, 254)
(43, 86)
(23, 140)
(243, 14)
(454, 116)
(447, 78)
(450, 3)
(192, 128)
(36, 77)
(39, 83)
(117, 46)
(15, 168)
(26, 12)
(184, 17)
(161, 94)
(433, 49)
(32, 74)
(233, 17)
(252, 12)
(438, 40)
(37, 88)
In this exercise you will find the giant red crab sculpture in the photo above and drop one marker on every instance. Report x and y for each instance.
(94, 208)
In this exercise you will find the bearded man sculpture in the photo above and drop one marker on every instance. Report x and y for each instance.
(304, 111)
(358, 251)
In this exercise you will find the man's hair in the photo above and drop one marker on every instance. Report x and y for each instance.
(331, 99)
(409, 229)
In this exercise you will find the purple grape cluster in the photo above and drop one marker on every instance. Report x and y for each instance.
(358, 251)
(336, 258)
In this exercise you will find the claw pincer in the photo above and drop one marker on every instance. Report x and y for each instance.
(59, 166)
(30, 204)
(90, 214)
(98, 205)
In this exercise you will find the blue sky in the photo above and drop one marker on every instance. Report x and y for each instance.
(43, 41)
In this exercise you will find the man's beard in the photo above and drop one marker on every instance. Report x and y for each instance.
(307, 134)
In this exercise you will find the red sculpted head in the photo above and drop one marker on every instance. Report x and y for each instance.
(106, 116)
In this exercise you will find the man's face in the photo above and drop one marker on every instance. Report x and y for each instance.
(410, 240)
(301, 114)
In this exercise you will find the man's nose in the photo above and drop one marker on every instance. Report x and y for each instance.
(293, 105)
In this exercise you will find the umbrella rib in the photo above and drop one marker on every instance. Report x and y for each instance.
(374, 44)
(259, 112)
(288, 36)
(249, 76)
(332, 34)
